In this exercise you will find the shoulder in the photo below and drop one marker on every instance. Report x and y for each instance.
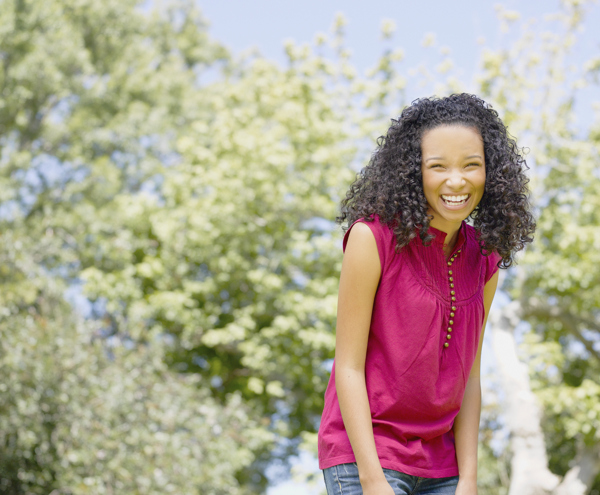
(371, 230)
(361, 254)
(361, 233)
(489, 263)
(368, 226)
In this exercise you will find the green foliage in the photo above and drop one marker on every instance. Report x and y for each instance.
(569, 398)
(80, 417)
(92, 94)
(230, 260)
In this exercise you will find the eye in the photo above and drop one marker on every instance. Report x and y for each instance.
(474, 164)
(436, 165)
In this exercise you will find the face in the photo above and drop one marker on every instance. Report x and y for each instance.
(453, 168)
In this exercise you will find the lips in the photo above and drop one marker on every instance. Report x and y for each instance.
(455, 200)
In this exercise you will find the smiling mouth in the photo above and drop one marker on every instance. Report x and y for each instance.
(455, 200)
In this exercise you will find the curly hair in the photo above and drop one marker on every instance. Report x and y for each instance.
(391, 185)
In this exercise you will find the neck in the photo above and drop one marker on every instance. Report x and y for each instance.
(451, 231)
(451, 239)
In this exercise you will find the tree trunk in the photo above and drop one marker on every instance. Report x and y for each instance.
(530, 473)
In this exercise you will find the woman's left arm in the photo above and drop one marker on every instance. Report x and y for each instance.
(466, 424)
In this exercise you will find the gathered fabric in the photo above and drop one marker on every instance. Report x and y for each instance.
(425, 327)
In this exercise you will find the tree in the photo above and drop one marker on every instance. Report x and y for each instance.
(90, 96)
(240, 266)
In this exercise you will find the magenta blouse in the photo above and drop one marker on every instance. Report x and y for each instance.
(425, 327)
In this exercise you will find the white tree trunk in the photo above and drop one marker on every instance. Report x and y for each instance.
(530, 473)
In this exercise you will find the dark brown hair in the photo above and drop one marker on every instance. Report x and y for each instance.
(391, 185)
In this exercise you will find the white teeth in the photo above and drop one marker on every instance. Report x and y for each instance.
(455, 199)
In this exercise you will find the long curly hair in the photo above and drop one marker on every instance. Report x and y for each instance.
(391, 185)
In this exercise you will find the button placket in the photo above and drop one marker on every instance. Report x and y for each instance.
(453, 299)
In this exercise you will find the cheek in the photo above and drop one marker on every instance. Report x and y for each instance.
(482, 181)
(428, 185)
(479, 180)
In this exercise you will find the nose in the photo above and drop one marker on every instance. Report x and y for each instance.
(456, 179)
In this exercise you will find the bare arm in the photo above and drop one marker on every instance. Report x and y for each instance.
(466, 424)
(361, 270)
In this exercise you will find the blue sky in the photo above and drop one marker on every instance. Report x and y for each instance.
(458, 24)
(464, 26)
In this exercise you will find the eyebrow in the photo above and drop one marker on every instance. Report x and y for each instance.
(441, 157)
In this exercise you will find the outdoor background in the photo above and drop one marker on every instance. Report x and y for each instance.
(170, 174)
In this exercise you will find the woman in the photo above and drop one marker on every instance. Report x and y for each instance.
(403, 403)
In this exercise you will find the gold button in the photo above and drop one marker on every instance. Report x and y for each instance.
(446, 344)
(448, 336)
(452, 292)
(453, 298)
(449, 329)
(451, 322)
(459, 250)
(452, 315)
(451, 285)
(449, 272)
(453, 308)
(449, 263)
(451, 279)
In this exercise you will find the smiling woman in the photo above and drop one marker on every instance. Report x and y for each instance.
(402, 406)
(392, 184)
(453, 176)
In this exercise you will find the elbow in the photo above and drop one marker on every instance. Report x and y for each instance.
(348, 371)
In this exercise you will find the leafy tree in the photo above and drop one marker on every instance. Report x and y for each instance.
(76, 419)
(239, 266)
(91, 95)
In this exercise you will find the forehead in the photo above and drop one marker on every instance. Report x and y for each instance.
(451, 140)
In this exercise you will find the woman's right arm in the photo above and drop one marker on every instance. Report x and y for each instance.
(359, 278)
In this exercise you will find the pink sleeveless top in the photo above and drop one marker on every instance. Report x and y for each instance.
(422, 343)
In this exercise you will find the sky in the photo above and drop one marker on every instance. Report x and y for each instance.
(266, 23)
(464, 27)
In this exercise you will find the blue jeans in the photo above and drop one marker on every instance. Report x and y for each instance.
(343, 480)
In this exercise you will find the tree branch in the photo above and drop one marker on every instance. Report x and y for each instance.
(580, 477)
(534, 307)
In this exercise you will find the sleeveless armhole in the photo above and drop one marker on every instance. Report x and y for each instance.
(491, 265)
(377, 230)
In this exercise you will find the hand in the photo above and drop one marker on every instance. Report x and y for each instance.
(466, 487)
(377, 487)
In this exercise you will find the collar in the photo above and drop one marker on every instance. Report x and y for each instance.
(440, 236)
